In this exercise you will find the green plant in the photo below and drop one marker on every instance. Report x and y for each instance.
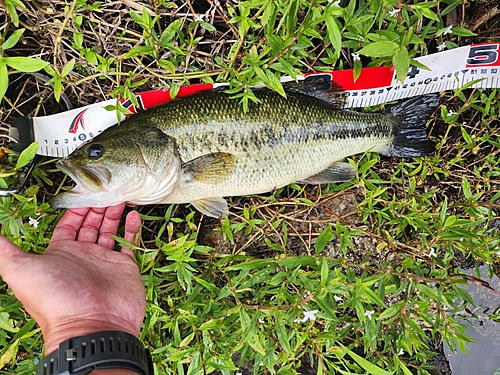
(352, 277)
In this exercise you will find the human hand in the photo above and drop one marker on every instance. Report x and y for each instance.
(80, 285)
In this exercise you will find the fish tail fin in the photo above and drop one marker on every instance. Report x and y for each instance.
(410, 117)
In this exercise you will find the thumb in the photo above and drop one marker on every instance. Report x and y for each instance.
(12, 257)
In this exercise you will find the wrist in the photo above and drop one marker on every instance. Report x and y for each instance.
(65, 330)
(99, 353)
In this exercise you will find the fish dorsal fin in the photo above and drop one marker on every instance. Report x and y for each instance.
(213, 207)
(337, 172)
(321, 87)
(210, 168)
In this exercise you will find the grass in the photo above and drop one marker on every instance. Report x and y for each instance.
(378, 258)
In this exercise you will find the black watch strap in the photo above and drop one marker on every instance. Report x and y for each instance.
(97, 351)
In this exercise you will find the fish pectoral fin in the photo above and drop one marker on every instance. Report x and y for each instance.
(213, 207)
(211, 168)
(337, 172)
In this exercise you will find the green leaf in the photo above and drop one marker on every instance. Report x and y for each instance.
(428, 291)
(334, 34)
(25, 64)
(58, 88)
(379, 49)
(358, 66)
(366, 365)
(12, 40)
(444, 210)
(78, 38)
(207, 26)
(405, 369)
(27, 155)
(139, 50)
(462, 31)
(323, 239)
(283, 337)
(195, 365)
(6, 323)
(401, 62)
(464, 294)
(274, 83)
(324, 272)
(466, 188)
(391, 311)
(68, 68)
(4, 79)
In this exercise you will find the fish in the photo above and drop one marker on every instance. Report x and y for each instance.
(205, 147)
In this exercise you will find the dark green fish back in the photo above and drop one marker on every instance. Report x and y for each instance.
(212, 121)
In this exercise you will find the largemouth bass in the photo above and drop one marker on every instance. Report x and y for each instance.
(202, 148)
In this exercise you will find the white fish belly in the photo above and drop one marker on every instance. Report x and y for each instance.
(275, 167)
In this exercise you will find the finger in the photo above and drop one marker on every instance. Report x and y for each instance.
(12, 259)
(110, 225)
(89, 229)
(68, 226)
(132, 230)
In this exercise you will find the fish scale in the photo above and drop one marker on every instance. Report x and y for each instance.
(221, 122)
(224, 151)
(280, 141)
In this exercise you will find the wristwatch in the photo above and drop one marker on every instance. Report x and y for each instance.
(97, 351)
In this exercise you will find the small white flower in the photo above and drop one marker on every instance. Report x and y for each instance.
(199, 17)
(448, 30)
(394, 12)
(451, 113)
(239, 373)
(337, 298)
(334, 3)
(401, 351)
(441, 47)
(308, 315)
(261, 364)
(33, 222)
(261, 320)
(432, 253)
(369, 313)
(355, 56)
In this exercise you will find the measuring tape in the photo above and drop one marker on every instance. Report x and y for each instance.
(58, 135)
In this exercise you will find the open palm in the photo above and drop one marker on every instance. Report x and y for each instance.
(80, 284)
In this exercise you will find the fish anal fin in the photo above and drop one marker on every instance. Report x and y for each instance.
(213, 207)
(337, 172)
(211, 168)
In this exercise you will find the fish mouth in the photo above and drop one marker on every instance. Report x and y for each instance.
(88, 179)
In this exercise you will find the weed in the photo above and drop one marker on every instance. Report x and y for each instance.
(349, 278)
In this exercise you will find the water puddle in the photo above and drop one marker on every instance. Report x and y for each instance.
(484, 356)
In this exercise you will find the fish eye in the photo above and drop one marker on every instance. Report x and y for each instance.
(95, 151)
